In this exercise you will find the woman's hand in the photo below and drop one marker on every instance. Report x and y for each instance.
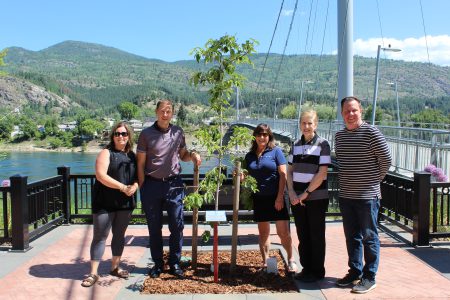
(130, 190)
(293, 198)
(279, 203)
(303, 198)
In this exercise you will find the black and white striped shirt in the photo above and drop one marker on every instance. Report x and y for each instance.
(363, 159)
(305, 159)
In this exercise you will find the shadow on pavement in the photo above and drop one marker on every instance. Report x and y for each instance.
(437, 258)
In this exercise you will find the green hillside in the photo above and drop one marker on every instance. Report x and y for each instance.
(100, 77)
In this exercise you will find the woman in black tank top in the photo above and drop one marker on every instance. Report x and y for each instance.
(113, 199)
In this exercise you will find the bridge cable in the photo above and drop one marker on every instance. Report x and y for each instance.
(270, 46)
(307, 39)
(426, 41)
(379, 23)
(285, 46)
(321, 51)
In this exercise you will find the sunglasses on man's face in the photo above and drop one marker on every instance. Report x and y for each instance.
(123, 133)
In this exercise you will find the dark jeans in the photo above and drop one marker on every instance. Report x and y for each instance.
(359, 218)
(310, 224)
(157, 196)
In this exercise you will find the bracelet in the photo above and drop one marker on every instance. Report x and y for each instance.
(307, 192)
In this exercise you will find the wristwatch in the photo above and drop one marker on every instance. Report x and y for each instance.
(308, 192)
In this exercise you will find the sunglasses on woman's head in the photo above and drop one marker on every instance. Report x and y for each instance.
(123, 133)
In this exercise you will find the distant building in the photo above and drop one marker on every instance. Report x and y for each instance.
(66, 127)
(16, 131)
(137, 125)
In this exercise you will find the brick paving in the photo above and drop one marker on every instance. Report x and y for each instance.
(56, 271)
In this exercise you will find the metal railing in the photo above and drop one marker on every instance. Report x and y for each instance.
(5, 215)
(411, 148)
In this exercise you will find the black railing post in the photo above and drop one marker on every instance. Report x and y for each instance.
(19, 213)
(65, 172)
(421, 209)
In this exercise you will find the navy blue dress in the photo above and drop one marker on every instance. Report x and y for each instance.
(265, 170)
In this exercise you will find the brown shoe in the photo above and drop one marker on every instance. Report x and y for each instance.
(120, 273)
(90, 280)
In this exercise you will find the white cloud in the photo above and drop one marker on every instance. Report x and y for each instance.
(287, 12)
(413, 49)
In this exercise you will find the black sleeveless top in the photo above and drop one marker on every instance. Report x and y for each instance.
(122, 167)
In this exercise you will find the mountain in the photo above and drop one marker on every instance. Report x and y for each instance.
(16, 93)
(97, 76)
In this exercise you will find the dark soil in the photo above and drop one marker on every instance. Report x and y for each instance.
(249, 277)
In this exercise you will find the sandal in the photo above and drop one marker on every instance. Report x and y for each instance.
(90, 280)
(120, 273)
(292, 267)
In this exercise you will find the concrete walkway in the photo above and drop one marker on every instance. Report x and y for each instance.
(59, 260)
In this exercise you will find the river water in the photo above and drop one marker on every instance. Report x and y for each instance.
(40, 165)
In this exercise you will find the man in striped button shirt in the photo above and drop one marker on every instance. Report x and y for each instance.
(363, 159)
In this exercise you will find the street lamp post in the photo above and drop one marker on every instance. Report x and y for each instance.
(300, 106)
(260, 112)
(394, 84)
(397, 152)
(375, 93)
(275, 112)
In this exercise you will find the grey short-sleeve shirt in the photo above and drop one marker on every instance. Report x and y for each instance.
(161, 148)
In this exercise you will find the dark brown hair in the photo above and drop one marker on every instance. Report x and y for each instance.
(167, 101)
(349, 98)
(262, 128)
(129, 145)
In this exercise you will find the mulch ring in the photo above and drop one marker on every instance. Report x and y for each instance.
(249, 277)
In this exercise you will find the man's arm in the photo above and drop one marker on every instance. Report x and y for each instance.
(186, 155)
(382, 152)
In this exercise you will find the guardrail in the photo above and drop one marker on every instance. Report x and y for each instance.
(29, 209)
(411, 148)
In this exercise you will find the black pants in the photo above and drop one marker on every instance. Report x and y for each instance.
(310, 224)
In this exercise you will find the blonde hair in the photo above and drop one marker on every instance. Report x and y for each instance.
(310, 113)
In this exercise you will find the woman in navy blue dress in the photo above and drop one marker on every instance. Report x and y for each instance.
(267, 164)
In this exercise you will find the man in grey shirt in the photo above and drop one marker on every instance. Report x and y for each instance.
(159, 151)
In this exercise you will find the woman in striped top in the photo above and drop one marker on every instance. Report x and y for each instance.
(308, 193)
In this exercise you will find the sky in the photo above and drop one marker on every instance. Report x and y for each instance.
(169, 29)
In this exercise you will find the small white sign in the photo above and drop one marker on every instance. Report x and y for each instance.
(215, 216)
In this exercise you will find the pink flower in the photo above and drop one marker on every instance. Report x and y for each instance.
(437, 172)
(430, 168)
(442, 178)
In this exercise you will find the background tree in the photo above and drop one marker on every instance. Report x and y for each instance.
(289, 111)
(368, 114)
(430, 116)
(28, 127)
(2, 63)
(90, 127)
(51, 126)
(128, 110)
(182, 115)
(6, 127)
